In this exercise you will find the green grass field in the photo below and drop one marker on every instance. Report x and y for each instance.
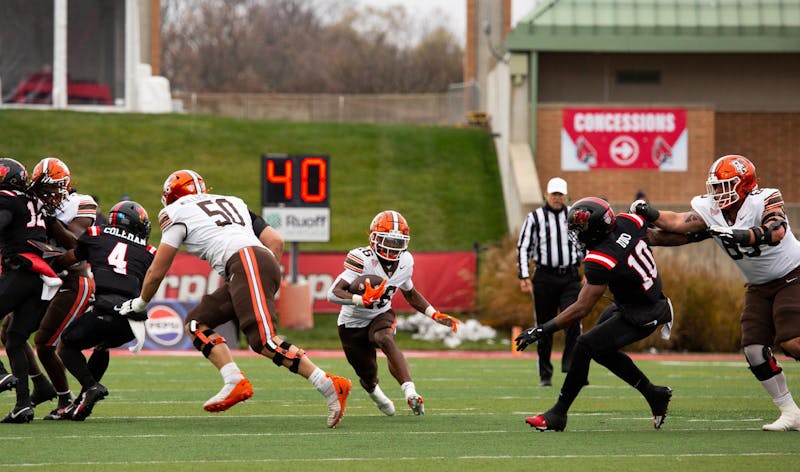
(445, 181)
(153, 420)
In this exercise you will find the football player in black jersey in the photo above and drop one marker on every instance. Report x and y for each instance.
(119, 256)
(21, 283)
(618, 258)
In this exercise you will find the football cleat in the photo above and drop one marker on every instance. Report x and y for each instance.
(786, 422)
(658, 399)
(92, 395)
(7, 382)
(416, 405)
(64, 412)
(547, 421)
(43, 392)
(19, 415)
(341, 387)
(230, 395)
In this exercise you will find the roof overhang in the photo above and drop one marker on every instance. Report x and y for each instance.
(743, 26)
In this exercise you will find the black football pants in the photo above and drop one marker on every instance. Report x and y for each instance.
(21, 293)
(553, 292)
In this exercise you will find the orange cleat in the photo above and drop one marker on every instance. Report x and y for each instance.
(341, 387)
(230, 395)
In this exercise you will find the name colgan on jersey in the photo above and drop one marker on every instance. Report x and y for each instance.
(121, 233)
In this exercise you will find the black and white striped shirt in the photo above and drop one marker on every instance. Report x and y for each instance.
(543, 238)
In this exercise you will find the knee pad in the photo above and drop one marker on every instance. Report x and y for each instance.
(282, 352)
(202, 339)
(762, 363)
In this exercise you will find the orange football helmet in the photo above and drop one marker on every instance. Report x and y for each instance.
(730, 179)
(50, 181)
(180, 183)
(389, 235)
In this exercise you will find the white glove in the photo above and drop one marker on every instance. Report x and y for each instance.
(635, 204)
(132, 307)
(138, 329)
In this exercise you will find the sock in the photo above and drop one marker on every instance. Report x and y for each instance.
(324, 385)
(64, 398)
(575, 380)
(320, 381)
(230, 373)
(378, 396)
(779, 391)
(409, 389)
(38, 379)
(98, 363)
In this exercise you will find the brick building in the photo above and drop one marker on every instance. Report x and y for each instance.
(731, 68)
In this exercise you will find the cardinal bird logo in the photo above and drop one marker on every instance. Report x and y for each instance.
(581, 218)
(4, 170)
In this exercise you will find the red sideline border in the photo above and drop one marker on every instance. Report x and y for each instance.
(454, 354)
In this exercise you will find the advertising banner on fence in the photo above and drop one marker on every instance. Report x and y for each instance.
(618, 138)
(446, 279)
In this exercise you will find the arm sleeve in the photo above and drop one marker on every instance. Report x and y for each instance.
(174, 235)
(259, 224)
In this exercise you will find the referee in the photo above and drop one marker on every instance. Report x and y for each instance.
(556, 281)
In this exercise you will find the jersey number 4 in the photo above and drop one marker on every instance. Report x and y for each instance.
(642, 261)
(117, 260)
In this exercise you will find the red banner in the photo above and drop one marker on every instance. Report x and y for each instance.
(446, 279)
(648, 138)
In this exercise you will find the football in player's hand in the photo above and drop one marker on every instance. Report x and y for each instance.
(360, 283)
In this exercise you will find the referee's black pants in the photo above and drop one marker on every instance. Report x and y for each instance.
(554, 291)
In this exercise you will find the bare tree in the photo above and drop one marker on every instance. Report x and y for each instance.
(303, 46)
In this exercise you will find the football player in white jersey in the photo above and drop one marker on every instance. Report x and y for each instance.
(221, 230)
(368, 320)
(750, 225)
(67, 214)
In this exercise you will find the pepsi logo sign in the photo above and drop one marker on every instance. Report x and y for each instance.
(164, 326)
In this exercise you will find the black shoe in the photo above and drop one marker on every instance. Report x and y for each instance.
(7, 382)
(44, 392)
(92, 395)
(63, 412)
(19, 415)
(659, 398)
(547, 421)
(545, 383)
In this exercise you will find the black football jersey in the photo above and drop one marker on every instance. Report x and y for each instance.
(26, 223)
(118, 259)
(624, 261)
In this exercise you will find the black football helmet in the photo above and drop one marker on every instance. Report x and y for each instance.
(131, 217)
(13, 175)
(589, 221)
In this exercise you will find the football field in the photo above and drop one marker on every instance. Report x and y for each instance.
(475, 407)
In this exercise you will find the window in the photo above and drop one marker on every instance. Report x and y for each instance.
(638, 77)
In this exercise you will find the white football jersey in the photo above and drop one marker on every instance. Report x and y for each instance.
(76, 206)
(364, 261)
(758, 264)
(217, 226)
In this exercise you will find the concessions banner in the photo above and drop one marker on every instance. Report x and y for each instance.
(446, 279)
(619, 138)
